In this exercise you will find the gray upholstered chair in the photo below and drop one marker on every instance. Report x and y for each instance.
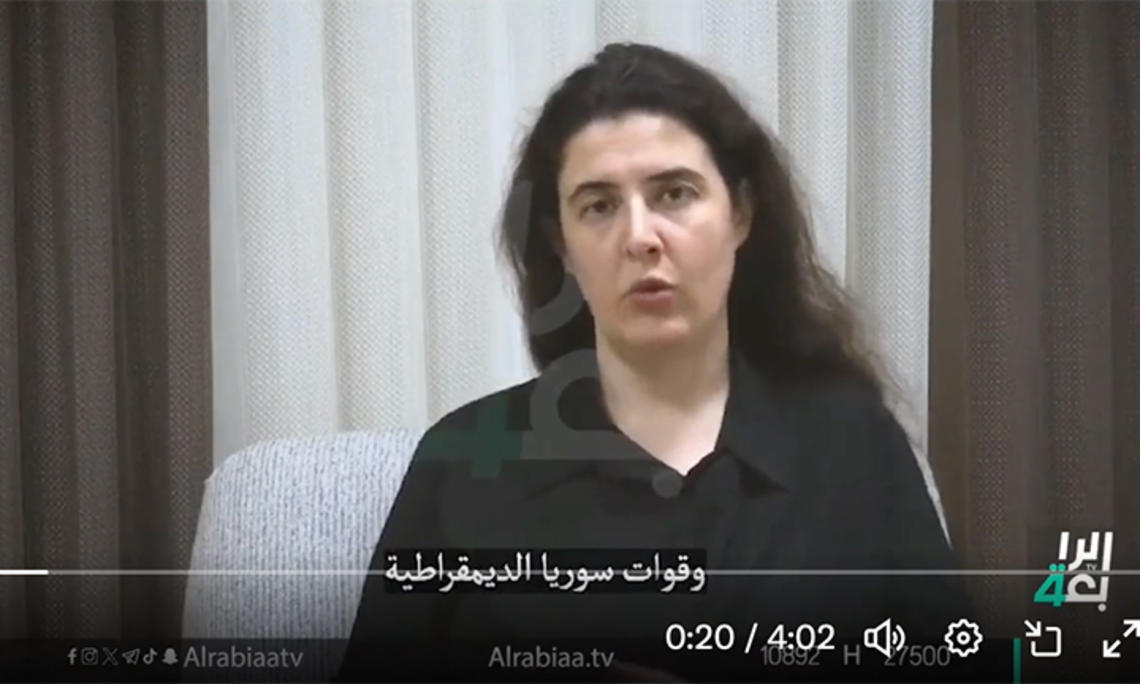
(304, 506)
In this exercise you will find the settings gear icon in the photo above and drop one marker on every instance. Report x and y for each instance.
(963, 637)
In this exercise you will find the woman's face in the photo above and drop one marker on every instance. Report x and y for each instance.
(641, 197)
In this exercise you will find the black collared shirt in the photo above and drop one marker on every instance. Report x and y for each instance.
(817, 477)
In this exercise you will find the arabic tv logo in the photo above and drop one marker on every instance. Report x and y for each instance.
(1082, 580)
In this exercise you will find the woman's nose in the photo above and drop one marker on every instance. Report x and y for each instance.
(642, 233)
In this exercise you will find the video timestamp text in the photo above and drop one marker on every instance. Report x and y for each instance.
(784, 643)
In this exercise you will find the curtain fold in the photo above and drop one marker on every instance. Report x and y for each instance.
(12, 594)
(105, 311)
(1035, 302)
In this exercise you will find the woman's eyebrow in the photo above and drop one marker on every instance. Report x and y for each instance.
(673, 173)
(678, 173)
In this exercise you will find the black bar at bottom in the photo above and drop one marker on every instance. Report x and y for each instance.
(521, 660)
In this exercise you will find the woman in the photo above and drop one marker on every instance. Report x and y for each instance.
(701, 388)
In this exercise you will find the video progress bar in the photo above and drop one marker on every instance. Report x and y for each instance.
(41, 572)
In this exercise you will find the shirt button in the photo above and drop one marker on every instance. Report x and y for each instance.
(667, 483)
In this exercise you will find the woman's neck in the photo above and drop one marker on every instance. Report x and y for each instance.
(670, 400)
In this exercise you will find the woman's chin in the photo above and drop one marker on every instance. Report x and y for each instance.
(659, 335)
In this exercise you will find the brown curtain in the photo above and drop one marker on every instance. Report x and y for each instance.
(104, 311)
(1035, 328)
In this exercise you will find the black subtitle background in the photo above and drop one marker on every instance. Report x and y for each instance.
(408, 661)
(563, 560)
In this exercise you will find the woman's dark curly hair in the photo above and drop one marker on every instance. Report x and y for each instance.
(786, 314)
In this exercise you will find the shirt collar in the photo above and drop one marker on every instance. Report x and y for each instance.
(754, 428)
(583, 436)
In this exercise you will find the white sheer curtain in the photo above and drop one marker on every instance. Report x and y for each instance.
(360, 151)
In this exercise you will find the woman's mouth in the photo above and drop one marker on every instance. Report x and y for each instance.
(652, 293)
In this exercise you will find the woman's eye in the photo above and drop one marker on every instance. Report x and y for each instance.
(599, 206)
(678, 193)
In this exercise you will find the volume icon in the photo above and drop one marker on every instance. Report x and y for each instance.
(885, 637)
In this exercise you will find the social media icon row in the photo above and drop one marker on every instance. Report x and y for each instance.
(111, 656)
